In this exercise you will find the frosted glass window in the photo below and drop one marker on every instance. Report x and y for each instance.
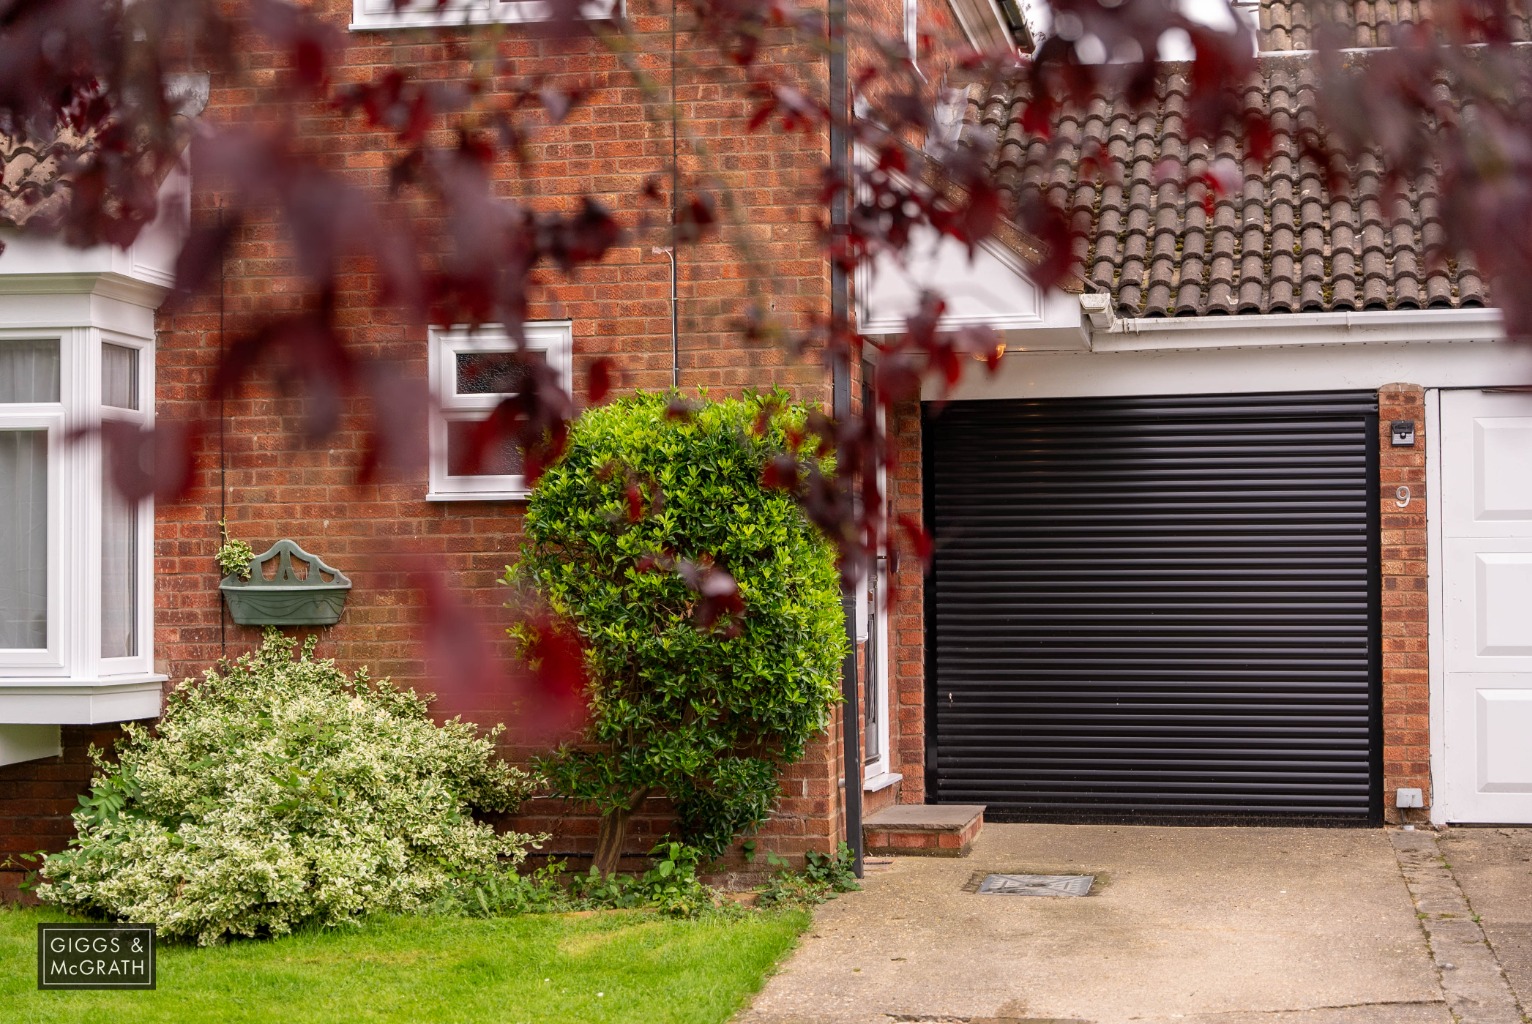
(472, 372)
(119, 376)
(24, 538)
(493, 373)
(29, 370)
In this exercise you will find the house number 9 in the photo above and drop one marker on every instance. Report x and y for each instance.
(1402, 497)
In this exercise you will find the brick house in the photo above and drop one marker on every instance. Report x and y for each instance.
(115, 602)
(1195, 581)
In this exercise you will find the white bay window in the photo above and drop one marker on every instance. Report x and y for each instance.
(76, 558)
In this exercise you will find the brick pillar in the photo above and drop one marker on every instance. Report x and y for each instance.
(907, 624)
(1406, 683)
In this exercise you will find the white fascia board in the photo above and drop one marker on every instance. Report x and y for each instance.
(1248, 370)
(57, 301)
(148, 264)
(28, 743)
(1249, 354)
(74, 703)
(1287, 329)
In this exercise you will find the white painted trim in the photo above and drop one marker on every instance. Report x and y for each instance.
(369, 15)
(106, 285)
(1244, 370)
(29, 743)
(877, 783)
(1435, 610)
(1160, 334)
(76, 702)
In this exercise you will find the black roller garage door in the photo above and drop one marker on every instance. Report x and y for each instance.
(1155, 608)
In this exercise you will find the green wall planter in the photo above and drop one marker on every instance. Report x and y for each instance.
(287, 599)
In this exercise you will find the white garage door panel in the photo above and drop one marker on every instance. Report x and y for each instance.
(1486, 592)
(1486, 486)
(1502, 584)
(1503, 488)
(1489, 608)
(1503, 722)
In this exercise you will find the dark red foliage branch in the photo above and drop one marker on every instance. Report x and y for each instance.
(103, 87)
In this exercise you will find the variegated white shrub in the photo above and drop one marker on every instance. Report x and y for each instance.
(281, 792)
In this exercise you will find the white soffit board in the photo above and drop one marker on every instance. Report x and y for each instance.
(28, 742)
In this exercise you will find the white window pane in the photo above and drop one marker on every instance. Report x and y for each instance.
(119, 376)
(29, 370)
(24, 538)
(119, 575)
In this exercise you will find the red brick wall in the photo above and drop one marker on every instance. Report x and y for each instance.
(255, 468)
(1406, 684)
(38, 797)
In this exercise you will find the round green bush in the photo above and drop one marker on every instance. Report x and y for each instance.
(627, 537)
(281, 792)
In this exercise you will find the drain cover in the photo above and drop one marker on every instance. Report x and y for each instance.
(1037, 885)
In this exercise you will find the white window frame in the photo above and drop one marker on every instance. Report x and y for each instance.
(53, 418)
(142, 417)
(32, 679)
(554, 338)
(369, 15)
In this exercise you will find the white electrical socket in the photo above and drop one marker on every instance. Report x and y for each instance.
(1409, 798)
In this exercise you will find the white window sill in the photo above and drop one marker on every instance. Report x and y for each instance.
(877, 783)
(518, 495)
(80, 702)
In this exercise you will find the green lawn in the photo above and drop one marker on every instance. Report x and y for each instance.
(538, 969)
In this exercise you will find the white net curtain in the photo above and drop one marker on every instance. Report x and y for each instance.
(29, 376)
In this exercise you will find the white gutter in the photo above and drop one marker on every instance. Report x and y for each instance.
(1283, 330)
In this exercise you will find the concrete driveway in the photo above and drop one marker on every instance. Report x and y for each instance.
(1187, 925)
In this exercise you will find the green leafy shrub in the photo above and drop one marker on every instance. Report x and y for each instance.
(640, 536)
(278, 792)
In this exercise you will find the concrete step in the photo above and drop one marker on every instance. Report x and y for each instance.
(923, 830)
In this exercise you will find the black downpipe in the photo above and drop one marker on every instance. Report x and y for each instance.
(840, 404)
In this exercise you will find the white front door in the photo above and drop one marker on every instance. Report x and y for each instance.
(1486, 592)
